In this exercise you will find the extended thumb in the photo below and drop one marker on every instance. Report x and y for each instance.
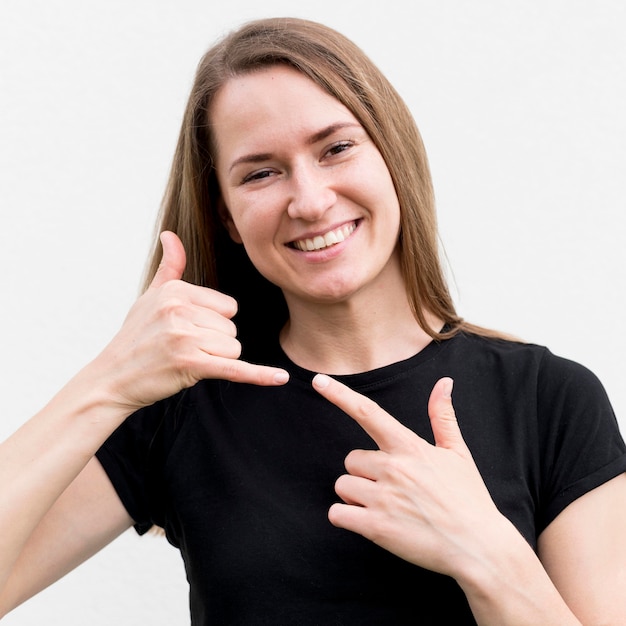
(442, 416)
(173, 262)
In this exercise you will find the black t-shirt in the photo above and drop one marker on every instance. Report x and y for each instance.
(241, 478)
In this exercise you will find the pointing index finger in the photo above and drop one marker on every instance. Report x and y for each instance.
(384, 429)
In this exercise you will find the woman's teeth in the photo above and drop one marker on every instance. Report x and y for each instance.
(324, 241)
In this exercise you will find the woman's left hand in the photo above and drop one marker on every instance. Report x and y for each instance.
(425, 503)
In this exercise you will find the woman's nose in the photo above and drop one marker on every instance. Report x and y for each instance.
(311, 194)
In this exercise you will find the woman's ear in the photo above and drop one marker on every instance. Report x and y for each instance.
(227, 220)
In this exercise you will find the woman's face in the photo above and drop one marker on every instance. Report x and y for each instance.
(306, 190)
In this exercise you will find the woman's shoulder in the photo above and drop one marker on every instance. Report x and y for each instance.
(493, 345)
(518, 356)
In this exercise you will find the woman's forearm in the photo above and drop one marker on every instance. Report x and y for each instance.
(41, 458)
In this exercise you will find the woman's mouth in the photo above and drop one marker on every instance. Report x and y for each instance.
(331, 238)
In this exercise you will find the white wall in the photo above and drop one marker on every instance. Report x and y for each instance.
(521, 104)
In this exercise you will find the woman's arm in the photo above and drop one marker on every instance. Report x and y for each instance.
(41, 459)
(87, 516)
(584, 551)
(175, 335)
(429, 505)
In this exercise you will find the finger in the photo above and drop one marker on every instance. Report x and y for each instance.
(443, 417)
(384, 429)
(350, 517)
(356, 490)
(173, 262)
(218, 344)
(211, 320)
(364, 463)
(177, 292)
(238, 371)
(212, 299)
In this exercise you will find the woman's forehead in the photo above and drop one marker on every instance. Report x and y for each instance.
(272, 103)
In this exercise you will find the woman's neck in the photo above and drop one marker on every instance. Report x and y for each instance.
(352, 337)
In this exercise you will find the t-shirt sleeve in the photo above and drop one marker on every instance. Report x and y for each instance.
(581, 444)
(125, 458)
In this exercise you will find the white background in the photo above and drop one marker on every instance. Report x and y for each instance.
(521, 105)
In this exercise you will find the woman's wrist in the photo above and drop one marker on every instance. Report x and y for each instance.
(508, 586)
(89, 405)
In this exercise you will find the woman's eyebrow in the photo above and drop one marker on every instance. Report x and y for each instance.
(329, 130)
(250, 158)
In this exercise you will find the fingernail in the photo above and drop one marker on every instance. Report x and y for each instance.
(448, 383)
(321, 381)
(281, 378)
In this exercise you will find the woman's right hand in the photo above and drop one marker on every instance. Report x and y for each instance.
(175, 335)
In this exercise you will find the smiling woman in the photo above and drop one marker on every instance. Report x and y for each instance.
(298, 231)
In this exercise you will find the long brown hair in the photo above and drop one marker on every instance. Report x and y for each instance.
(342, 69)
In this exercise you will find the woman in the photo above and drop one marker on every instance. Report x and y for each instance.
(300, 188)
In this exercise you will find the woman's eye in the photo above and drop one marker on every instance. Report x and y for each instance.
(340, 146)
(256, 176)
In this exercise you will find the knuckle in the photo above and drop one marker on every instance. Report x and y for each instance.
(176, 338)
(227, 305)
(235, 349)
(340, 484)
(233, 306)
(231, 370)
(391, 464)
(171, 309)
(335, 515)
(351, 460)
(214, 342)
(367, 409)
(230, 328)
